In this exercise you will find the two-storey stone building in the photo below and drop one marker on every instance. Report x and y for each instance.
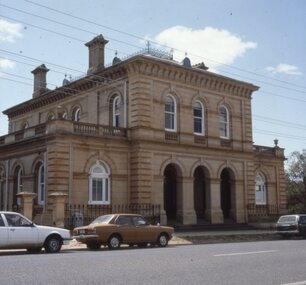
(144, 130)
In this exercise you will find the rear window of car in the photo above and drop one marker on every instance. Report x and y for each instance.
(102, 219)
(287, 219)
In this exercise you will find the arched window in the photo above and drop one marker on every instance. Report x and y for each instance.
(198, 118)
(50, 117)
(41, 185)
(116, 112)
(99, 184)
(260, 189)
(25, 125)
(223, 122)
(170, 114)
(2, 182)
(76, 114)
(64, 115)
(18, 185)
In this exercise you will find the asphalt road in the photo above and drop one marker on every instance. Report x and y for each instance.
(247, 263)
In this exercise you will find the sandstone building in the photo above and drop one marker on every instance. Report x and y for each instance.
(144, 130)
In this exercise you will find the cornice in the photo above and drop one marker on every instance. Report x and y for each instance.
(165, 69)
(69, 90)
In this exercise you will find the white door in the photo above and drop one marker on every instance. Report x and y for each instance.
(3, 233)
(20, 231)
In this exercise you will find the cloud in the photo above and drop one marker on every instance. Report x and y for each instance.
(213, 46)
(6, 63)
(284, 69)
(9, 32)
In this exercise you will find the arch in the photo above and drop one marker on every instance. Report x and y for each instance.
(99, 184)
(260, 188)
(178, 166)
(99, 156)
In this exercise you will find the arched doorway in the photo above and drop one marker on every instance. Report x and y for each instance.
(170, 192)
(226, 193)
(199, 190)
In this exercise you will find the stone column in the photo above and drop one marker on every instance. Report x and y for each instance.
(158, 197)
(213, 211)
(238, 208)
(186, 212)
(27, 203)
(58, 210)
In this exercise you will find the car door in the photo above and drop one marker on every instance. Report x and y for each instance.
(126, 228)
(21, 232)
(145, 232)
(3, 233)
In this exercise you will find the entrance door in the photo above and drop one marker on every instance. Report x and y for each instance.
(170, 189)
(225, 193)
(199, 192)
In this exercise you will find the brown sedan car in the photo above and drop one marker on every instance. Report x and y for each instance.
(116, 229)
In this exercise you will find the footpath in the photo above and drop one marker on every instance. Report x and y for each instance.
(205, 237)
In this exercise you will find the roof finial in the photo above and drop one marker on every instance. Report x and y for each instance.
(148, 46)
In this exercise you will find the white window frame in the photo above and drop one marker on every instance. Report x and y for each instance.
(201, 118)
(100, 172)
(171, 114)
(41, 185)
(224, 124)
(116, 112)
(19, 184)
(76, 114)
(260, 189)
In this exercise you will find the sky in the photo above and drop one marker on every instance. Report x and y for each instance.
(261, 42)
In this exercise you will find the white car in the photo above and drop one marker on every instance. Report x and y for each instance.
(17, 232)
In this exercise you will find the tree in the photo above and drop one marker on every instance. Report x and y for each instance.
(296, 182)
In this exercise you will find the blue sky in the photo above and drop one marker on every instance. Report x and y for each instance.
(261, 42)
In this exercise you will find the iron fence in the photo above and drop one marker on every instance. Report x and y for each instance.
(264, 212)
(78, 215)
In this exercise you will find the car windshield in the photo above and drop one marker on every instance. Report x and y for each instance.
(287, 219)
(102, 219)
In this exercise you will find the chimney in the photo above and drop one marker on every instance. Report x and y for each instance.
(96, 54)
(40, 83)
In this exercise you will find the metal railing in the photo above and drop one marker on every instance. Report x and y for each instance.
(78, 215)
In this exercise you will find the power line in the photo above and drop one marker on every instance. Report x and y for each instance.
(64, 24)
(142, 38)
(83, 41)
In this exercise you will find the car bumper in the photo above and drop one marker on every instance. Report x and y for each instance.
(293, 232)
(84, 238)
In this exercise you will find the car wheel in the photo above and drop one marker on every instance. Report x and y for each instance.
(162, 240)
(34, 250)
(114, 242)
(94, 245)
(53, 244)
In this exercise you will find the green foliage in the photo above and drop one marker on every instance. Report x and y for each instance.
(295, 178)
(298, 208)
